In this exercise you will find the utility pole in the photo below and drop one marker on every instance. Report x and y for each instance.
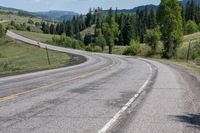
(48, 56)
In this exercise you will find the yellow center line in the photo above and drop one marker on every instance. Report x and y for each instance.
(85, 75)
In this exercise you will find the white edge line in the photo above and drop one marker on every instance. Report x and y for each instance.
(126, 106)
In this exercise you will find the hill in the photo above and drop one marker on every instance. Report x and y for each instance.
(149, 7)
(50, 15)
(54, 14)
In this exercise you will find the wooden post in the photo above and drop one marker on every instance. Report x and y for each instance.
(48, 56)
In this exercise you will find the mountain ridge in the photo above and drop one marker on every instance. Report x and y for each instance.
(66, 15)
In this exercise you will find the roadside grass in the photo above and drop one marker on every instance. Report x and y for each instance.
(187, 38)
(190, 66)
(36, 36)
(16, 56)
(118, 50)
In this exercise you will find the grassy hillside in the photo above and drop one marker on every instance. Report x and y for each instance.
(36, 36)
(17, 18)
(187, 38)
(16, 56)
(89, 30)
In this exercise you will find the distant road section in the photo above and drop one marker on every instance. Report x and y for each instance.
(107, 93)
(4, 21)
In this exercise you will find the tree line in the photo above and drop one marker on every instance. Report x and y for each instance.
(167, 24)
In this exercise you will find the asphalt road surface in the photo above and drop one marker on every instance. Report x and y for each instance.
(107, 93)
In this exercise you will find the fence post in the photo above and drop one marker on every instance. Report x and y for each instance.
(47, 55)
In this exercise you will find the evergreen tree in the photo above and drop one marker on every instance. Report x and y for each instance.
(45, 28)
(52, 29)
(127, 32)
(88, 19)
(57, 28)
(152, 19)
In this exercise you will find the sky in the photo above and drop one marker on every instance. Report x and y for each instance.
(79, 6)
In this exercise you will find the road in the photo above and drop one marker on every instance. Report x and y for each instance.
(4, 21)
(107, 93)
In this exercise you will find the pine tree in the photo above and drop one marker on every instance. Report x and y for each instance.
(127, 32)
(88, 19)
(52, 29)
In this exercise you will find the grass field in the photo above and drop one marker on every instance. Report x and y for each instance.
(17, 18)
(36, 36)
(16, 56)
(89, 30)
(187, 38)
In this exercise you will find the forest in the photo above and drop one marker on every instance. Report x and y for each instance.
(148, 26)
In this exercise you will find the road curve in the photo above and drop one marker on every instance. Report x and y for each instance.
(107, 93)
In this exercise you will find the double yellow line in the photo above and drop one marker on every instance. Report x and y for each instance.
(85, 75)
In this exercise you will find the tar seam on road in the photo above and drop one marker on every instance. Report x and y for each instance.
(85, 75)
(127, 105)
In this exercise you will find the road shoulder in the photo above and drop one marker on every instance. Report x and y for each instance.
(171, 106)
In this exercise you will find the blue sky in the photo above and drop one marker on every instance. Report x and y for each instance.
(80, 6)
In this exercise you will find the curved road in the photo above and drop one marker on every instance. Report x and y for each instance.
(107, 93)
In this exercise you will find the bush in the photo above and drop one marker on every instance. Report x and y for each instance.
(191, 27)
(93, 48)
(2, 30)
(152, 38)
(34, 29)
(30, 21)
(68, 42)
(145, 50)
(195, 50)
(133, 49)
(181, 53)
(197, 61)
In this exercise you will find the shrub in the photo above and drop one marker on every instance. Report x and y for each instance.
(181, 53)
(197, 61)
(133, 49)
(145, 50)
(195, 50)
(93, 48)
(30, 21)
(191, 27)
(68, 42)
(2, 30)
(152, 38)
(34, 29)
